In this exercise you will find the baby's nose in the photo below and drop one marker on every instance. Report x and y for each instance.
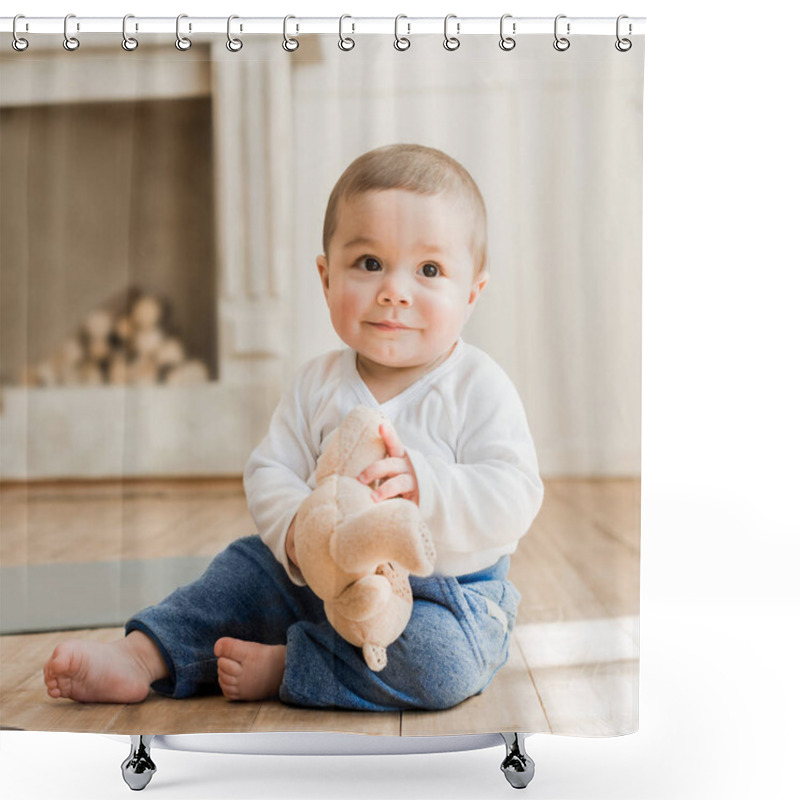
(394, 292)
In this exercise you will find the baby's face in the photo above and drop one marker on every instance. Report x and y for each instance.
(400, 278)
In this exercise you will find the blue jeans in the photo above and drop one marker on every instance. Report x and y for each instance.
(456, 640)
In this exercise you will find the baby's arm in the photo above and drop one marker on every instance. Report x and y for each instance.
(291, 550)
(275, 479)
(490, 497)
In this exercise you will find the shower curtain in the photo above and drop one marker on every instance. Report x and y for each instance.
(162, 228)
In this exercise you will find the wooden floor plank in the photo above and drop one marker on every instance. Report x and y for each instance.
(614, 505)
(164, 715)
(609, 571)
(574, 642)
(552, 588)
(32, 710)
(275, 716)
(591, 699)
(104, 522)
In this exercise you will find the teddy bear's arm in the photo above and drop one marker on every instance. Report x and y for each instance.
(388, 531)
(364, 598)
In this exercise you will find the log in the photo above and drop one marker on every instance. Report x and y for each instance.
(170, 353)
(146, 312)
(98, 324)
(118, 369)
(123, 327)
(98, 349)
(146, 341)
(46, 373)
(70, 353)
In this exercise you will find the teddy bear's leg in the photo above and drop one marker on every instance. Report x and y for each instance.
(362, 599)
(375, 656)
(389, 531)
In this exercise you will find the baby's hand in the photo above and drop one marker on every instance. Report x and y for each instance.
(396, 471)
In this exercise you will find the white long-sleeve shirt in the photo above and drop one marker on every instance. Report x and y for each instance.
(464, 428)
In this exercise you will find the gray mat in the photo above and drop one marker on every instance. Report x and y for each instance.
(45, 597)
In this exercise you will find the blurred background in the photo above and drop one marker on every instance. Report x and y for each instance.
(161, 215)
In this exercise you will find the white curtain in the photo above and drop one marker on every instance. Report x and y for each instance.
(555, 145)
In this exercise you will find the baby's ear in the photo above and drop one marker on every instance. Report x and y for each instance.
(478, 285)
(322, 268)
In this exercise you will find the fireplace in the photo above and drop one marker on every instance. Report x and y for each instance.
(153, 180)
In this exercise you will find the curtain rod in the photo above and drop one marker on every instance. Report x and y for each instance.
(189, 25)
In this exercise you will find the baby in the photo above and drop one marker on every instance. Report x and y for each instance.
(404, 264)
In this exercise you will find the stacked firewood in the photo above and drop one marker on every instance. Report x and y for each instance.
(129, 348)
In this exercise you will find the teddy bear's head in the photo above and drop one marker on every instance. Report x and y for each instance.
(354, 445)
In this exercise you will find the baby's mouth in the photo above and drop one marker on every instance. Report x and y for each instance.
(389, 325)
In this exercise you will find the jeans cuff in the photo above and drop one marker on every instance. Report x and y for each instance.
(165, 686)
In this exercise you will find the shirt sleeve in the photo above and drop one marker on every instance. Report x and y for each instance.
(276, 475)
(490, 496)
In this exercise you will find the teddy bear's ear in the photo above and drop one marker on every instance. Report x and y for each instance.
(375, 656)
(354, 445)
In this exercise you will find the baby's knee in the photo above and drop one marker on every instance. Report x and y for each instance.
(442, 674)
(446, 685)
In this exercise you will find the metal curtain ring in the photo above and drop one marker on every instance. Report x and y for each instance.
(561, 43)
(182, 42)
(507, 42)
(401, 42)
(18, 43)
(128, 42)
(451, 42)
(623, 45)
(345, 42)
(70, 42)
(289, 44)
(233, 44)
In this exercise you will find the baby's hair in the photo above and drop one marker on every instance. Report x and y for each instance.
(415, 168)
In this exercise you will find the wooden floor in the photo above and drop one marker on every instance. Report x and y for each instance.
(573, 666)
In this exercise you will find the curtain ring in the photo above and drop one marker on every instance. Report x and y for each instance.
(623, 45)
(182, 42)
(401, 42)
(18, 43)
(345, 42)
(451, 42)
(561, 43)
(129, 43)
(70, 42)
(507, 42)
(233, 44)
(289, 44)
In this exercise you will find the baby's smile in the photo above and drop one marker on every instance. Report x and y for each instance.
(389, 326)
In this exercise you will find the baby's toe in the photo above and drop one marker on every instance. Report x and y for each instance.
(228, 666)
(229, 685)
(233, 649)
(222, 647)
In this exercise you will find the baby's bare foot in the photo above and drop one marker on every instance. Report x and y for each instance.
(248, 670)
(104, 672)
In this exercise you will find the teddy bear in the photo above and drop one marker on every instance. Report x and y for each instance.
(355, 554)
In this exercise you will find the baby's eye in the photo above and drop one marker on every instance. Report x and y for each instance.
(370, 264)
(430, 270)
